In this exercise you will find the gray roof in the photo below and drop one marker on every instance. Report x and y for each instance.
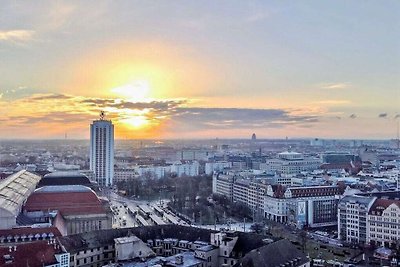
(63, 174)
(366, 200)
(94, 239)
(274, 254)
(63, 188)
(15, 189)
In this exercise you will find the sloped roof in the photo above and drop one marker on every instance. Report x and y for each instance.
(38, 253)
(68, 202)
(381, 204)
(15, 189)
(279, 190)
(29, 231)
(94, 239)
(274, 254)
(64, 178)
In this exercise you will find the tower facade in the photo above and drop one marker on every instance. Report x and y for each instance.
(102, 151)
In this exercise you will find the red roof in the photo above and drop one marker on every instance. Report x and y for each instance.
(279, 190)
(29, 230)
(315, 191)
(68, 203)
(381, 204)
(33, 254)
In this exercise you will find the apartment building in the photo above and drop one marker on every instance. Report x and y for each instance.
(372, 219)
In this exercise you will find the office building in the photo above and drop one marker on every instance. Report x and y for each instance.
(290, 163)
(302, 206)
(102, 151)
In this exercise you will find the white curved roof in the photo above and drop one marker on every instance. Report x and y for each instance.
(63, 189)
(15, 189)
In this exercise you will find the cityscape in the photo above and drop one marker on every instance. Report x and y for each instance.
(166, 134)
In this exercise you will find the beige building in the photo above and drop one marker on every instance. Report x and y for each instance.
(383, 223)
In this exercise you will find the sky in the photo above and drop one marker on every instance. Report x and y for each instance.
(200, 69)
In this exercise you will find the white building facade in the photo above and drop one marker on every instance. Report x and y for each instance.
(102, 151)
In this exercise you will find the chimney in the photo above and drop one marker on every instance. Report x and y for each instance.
(179, 259)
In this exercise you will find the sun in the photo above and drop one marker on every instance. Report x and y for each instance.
(136, 121)
(135, 91)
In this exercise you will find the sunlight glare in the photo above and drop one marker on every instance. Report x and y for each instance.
(136, 121)
(136, 91)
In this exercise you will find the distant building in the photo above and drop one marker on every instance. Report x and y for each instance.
(253, 137)
(154, 171)
(291, 163)
(185, 168)
(192, 154)
(102, 151)
(211, 167)
(317, 142)
(124, 174)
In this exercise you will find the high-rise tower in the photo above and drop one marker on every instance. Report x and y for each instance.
(102, 150)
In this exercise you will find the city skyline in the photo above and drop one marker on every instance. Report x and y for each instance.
(201, 70)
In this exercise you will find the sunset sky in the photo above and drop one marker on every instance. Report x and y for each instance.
(200, 69)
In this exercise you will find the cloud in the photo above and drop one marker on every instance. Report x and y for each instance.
(333, 102)
(223, 118)
(335, 85)
(67, 111)
(16, 36)
(49, 97)
(383, 115)
(353, 116)
(257, 16)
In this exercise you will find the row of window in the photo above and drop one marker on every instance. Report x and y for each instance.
(386, 231)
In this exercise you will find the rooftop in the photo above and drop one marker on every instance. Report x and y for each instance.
(69, 200)
(64, 174)
(274, 254)
(94, 239)
(38, 253)
(63, 189)
(64, 178)
(15, 189)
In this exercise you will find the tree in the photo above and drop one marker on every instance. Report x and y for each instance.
(257, 228)
(303, 239)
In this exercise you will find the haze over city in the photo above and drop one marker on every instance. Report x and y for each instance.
(200, 69)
